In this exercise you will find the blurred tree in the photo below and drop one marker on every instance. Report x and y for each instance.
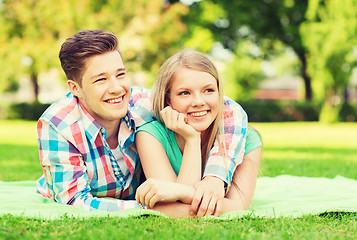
(262, 22)
(33, 30)
(243, 73)
(330, 34)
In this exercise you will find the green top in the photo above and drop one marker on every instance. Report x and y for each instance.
(253, 140)
(167, 139)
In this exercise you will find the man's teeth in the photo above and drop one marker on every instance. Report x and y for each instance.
(198, 114)
(115, 100)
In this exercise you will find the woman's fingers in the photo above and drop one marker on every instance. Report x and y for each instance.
(148, 196)
(170, 117)
(141, 193)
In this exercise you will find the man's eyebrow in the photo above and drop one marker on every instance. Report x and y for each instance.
(121, 69)
(103, 73)
(98, 75)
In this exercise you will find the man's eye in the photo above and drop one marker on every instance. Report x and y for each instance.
(121, 75)
(99, 80)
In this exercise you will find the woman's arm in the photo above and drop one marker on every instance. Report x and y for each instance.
(154, 190)
(157, 166)
(162, 195)
(153, 158)
(244, 181)
(190, 171)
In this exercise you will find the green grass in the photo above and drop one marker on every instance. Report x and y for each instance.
(309, 149)
(18, 151)
(303, 149)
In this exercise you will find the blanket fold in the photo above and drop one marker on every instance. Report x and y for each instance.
(281, 196)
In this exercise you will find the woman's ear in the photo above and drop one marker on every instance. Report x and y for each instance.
(74, 88)
(167, 99)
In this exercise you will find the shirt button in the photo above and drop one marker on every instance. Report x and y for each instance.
(116, 172)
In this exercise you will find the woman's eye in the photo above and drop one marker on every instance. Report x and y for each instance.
(183, 93)
(210, 90)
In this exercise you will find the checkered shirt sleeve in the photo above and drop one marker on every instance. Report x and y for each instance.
(65, 177)
(235, 123)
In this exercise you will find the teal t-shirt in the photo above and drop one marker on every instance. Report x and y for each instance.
(167, 139)
(253, 140)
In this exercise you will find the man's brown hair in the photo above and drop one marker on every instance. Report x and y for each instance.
(84, 44)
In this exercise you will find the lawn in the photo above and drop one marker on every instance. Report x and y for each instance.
(301, 149)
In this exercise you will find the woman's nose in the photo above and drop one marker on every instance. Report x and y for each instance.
(198, 101)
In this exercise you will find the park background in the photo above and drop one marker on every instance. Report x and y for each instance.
(291, 64)
(282, 60)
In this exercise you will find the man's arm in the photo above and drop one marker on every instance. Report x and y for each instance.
(65, 173)
(235, 122)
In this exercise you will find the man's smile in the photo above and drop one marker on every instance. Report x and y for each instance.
(115, 100)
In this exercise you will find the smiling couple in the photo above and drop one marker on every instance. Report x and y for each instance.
(182, 149)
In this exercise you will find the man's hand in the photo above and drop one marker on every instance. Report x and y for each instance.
(208, 192)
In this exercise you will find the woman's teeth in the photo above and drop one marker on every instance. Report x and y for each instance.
(198, 114)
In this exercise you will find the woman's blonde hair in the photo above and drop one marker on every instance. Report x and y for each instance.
(194, 60)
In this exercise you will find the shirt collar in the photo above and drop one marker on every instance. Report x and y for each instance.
(92, 127)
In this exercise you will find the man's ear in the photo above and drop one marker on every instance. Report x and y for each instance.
(74, 88)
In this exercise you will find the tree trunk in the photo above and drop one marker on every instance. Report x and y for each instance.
(305, 75)
(34, 81)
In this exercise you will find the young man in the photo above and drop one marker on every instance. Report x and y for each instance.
(86, 139)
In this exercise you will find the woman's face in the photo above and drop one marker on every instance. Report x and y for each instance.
(195, 94)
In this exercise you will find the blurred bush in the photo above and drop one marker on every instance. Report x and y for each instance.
(27, 111)
(278, 111)
(258, 111)
(348, 113)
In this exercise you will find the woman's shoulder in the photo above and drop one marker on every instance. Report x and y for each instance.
(154, 125)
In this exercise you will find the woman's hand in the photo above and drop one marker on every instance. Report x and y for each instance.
(154, 190)
(177, 122)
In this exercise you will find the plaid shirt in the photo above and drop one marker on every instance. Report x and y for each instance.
(80, 169)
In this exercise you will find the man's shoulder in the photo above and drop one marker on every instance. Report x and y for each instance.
(139, 94)
(140, 106)
(233, 110)
(63, 112)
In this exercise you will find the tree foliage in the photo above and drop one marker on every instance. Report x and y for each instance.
(329, 34)
(322, 34)
(261, 22)
(33, 30)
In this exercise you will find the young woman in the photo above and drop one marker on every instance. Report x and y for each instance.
(188, 102)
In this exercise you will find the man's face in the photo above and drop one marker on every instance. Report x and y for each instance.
(105, 89)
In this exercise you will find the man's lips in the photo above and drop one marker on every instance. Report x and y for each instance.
(115, 100)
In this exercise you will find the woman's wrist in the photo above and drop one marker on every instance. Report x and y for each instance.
(193, 139)
(187, 193)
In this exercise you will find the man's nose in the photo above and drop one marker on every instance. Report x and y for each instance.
(115, 85)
